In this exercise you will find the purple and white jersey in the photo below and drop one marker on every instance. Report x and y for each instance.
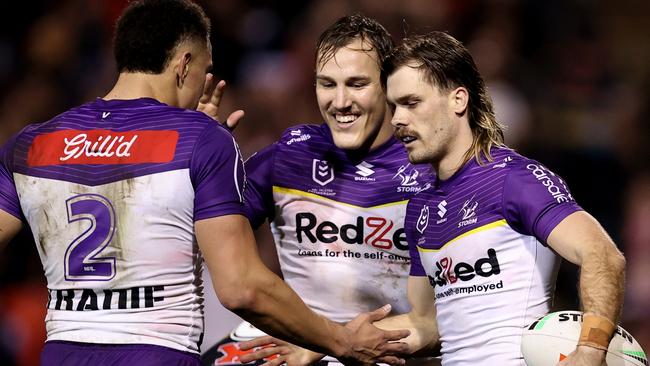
(111, 191)
(337, 219)
(480, 237)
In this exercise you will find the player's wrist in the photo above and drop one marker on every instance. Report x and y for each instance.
(310, 357)
(340, 342)
(596, 331)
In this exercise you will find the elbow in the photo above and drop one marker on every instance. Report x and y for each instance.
(238, 299)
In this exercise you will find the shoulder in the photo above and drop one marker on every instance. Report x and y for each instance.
(210, 128)
(304, 135)
(504, 162)
(518, 165)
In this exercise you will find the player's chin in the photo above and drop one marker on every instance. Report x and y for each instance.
(347, 145)
(347, 140)
(415, 156)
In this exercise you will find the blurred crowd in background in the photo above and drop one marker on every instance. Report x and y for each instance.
(570, 80)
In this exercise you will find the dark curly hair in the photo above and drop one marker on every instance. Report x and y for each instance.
(347, 29)
(148, 31)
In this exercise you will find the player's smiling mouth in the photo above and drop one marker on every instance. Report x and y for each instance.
(345, 118)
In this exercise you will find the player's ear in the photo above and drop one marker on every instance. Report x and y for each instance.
(182, 68)
(458, 99)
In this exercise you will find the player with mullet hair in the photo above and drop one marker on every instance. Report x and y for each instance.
(126, 195)
(487, 236)
(335, 194)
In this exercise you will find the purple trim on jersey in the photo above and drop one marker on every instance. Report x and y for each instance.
(259, 190)
(118, 116)
(8, 195)
(217, 174)
(57, 353)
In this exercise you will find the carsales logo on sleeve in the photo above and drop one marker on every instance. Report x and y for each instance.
(544, 175)
(102, 147)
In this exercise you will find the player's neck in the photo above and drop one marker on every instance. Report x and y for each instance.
(140, 85)
(455, 157)
(384, 134)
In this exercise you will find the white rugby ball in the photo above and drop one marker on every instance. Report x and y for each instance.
(554, 336)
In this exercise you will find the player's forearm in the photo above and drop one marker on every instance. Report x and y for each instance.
(247, 287)
(602, 280)
(269, 304)
(424, 338)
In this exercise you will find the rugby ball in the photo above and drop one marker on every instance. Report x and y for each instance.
(552, 337)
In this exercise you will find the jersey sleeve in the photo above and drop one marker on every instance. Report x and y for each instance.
(536, 200)
(259, 188)
(417, 269)
(8, 195)
(217, 173)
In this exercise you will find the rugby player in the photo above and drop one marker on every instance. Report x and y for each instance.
(127, 194)
(335, 194)
(487, 236)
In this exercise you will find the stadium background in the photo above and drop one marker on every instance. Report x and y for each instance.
(570, 79)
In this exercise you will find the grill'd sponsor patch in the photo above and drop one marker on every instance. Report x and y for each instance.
(102, 147)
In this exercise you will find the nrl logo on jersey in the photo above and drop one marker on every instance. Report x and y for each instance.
(321, 172)
(423, 220)
(408, 179)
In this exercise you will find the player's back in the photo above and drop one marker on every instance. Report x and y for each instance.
(109, 191)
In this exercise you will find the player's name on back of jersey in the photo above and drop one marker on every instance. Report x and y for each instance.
(347, 253)
(92, 299)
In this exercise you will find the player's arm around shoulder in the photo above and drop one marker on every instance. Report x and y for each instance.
(580, 239)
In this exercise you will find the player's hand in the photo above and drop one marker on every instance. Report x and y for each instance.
(584, 356)
(211, 98)
(277, 352)
(369, 344)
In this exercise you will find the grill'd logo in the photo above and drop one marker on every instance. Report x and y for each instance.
(102, 147)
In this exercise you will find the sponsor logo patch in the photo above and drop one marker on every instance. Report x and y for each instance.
(102, 147)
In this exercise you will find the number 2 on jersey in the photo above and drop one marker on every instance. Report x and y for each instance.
(82, 258)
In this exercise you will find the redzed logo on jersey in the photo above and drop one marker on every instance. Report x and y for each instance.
(102, 147)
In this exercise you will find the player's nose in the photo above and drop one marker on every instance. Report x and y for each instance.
(342, 99)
